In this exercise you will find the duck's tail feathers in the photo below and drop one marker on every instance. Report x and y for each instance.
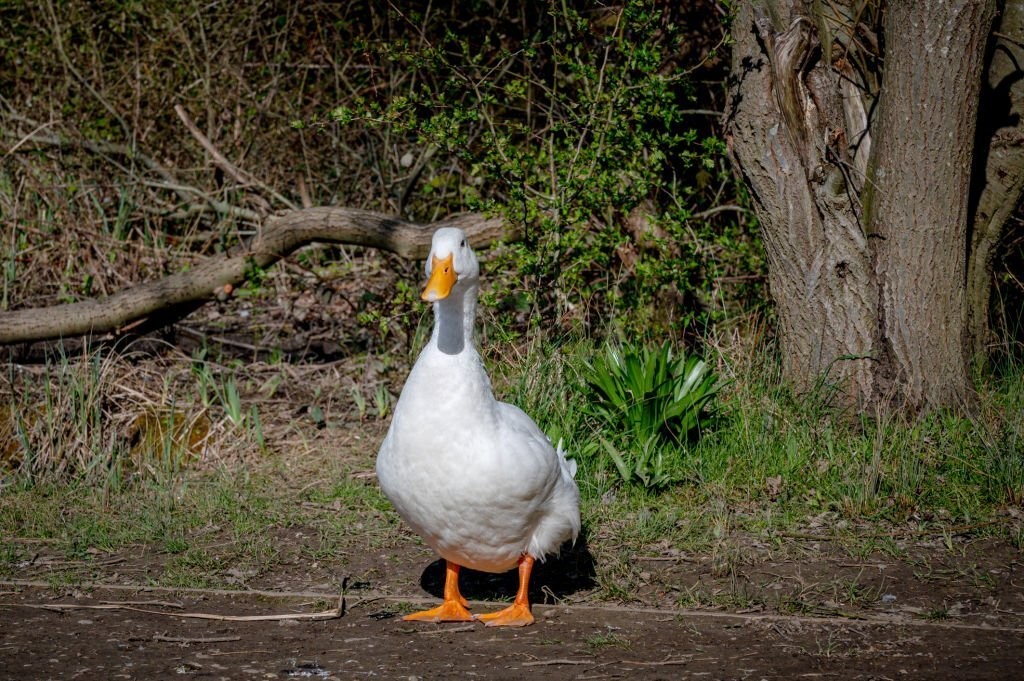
(568, 465)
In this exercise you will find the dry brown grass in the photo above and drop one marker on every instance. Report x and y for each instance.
(104, 417)
(114, 416)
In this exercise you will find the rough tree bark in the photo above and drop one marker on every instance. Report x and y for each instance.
(915, 199)
(999, 166)
(166, 300)
(860, 176)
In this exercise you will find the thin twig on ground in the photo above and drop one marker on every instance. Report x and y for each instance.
(446, 630)
(544, 663)
(667, 662)
(333, 613)
(181, 639)
(156, 604)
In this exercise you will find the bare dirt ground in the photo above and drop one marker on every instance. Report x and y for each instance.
(939, 615)
(569, 642)
(572, 642)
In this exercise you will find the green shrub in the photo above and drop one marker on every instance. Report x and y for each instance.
(587, 129)
(652, 404)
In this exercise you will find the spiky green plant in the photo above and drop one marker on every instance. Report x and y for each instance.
(646, 466)
(651, 392)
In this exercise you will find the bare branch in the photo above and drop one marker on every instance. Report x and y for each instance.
(102, 148)
(164, 301)
(186, 193)
(241, 176)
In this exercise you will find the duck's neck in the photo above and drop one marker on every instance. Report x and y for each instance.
(453, 321)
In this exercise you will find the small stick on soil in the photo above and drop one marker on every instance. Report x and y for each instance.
(544, 663)
(47, 562)
(333, 613)
(318, 481)
(178, 639)
(876, 566)
(239, 652)
(159, 604)
(136, 588)
(667, 662)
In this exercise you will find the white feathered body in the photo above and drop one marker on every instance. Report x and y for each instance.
(475, 477)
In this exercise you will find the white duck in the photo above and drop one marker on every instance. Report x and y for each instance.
(475, 477)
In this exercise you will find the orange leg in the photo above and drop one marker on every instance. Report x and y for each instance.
(454, 607)
(517, 614)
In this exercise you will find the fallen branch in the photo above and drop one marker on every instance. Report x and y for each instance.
(158, 303)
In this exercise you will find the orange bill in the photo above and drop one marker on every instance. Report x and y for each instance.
(442, 278)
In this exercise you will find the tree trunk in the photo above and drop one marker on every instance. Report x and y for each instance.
(999, 167)
(915, 199)
(863, 202)
(819, 267)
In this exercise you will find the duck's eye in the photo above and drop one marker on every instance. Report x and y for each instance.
(462, 244)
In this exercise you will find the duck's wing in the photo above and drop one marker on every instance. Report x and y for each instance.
(520, 427)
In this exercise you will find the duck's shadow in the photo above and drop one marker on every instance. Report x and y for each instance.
(557, 577)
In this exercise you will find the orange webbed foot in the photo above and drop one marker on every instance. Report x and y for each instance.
(515, 615)
(455, 608)
(518, 614)
(449, 611)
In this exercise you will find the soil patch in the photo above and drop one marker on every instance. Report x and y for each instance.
(567, 642)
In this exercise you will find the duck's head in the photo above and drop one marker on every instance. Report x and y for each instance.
(450, 265)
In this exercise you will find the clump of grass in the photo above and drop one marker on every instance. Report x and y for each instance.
(60, 417)
(606, 640)
(651, 392)
(649, 404)
(646, 465)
